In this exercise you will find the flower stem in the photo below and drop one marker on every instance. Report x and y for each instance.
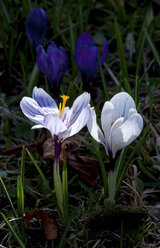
(57, 178)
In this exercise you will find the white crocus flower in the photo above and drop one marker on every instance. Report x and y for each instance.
(62, 122)
(121, 124)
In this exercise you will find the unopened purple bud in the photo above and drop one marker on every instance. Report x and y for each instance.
(36, 26)
(86, 56)
(53, 63)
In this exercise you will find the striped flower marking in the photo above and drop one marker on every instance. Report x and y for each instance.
(61, 121)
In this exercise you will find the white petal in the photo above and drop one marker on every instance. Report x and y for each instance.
(110, 147)
(94, 129)
(43, 99)
(131, 112)
(108, 116)
(65, 116)
(122, 103)
(54, 124)
(81, 102)
(37, 126)
(31, 110)
(126, 133)
(80, 122)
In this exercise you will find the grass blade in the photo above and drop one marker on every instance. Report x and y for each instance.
(154, 49)
(12, 230)
(8, 198)
(65, 191)
(141, 39)
(22, 165)
(137, 147)
(40, 172)
(5, 12)
(20, 196)
(103, 170)
(103, 80)
(121, 51)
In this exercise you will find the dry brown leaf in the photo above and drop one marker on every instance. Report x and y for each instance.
(86, 166)
(49, 224)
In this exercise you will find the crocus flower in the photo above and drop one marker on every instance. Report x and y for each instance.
(86, 56)
(53, 63)
(121, 124)
(62, 122)
(36, 26)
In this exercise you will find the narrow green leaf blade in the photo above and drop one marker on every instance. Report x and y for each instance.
(12, 230)
(8, 197)
(121, 53)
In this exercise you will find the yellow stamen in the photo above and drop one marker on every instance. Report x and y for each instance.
(63, 104)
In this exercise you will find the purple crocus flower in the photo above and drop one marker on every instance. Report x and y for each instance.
(86, 56)
(53, 63)
(36, 26)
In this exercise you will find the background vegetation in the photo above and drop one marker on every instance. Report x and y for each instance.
(132, 29)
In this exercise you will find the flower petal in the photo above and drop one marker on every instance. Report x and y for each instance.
(108, 116)
(84, 39)
(110, 145)
(80, 122)
(81, 102)
(126, 133)
(37, 126)
(131, 112)
(43, 99)
(31, 110)
(122, 103)
(94, 129)
(42, 59)
(65, 116)
(54, 124)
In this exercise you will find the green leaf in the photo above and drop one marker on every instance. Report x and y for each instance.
(141, 39)
(65, 191)
(20, 196)
(121, 53)
(13, 232)
(39, 170)
(154, 49)
(8, 198)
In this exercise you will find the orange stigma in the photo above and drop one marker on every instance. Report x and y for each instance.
(63, 104)
(112, 123)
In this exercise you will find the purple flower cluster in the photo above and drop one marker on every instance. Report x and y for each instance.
(54, 62)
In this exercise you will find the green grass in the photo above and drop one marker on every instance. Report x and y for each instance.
(26, 182)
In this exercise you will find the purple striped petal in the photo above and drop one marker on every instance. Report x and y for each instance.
(81, 102)
(43, 99)
(80, 122)
(31, 110)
